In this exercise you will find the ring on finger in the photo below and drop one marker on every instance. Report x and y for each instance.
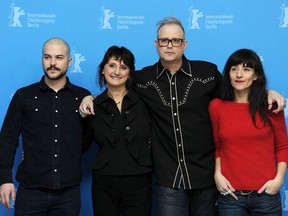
(284, 102)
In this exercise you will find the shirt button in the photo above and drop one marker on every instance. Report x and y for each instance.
(55, 170)
(172, 83)
(55, 155)
(56, 140)
(36, 110)
(56, 125)
(56, 96)
(56, 111)
(128, 128)
(127, 112)
(177, 129)
(181, 160)
(175, 114)
(179, 145)
(35, 97)
(173, 98)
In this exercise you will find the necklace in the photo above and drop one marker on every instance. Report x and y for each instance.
(117, 102)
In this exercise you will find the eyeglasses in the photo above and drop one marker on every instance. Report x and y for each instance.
(164, 42)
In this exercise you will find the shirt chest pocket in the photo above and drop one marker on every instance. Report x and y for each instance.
(37, 109)
(46, 107)
(37, 105)
(71, 105)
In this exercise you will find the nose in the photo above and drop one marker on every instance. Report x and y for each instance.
(117, 70)
(169, 44)
(239, 73)
(53, 61)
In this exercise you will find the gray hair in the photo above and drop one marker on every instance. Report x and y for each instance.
(170, 20)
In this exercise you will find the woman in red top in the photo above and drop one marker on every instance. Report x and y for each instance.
(251, 141)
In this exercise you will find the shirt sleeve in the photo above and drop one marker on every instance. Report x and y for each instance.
(9, 138)
(213, 111)
(280, 137)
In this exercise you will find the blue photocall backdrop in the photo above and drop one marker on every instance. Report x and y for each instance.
(214, 29)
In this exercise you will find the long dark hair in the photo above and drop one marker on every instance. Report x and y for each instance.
(257, 97)
(121, 54)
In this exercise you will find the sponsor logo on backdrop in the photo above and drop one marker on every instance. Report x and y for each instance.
(195, 14)
(77, 59)
(284, 15)
(107, 14)
(198, 19)
(16, 13)
(21, 18)
(260, 57)
(12, 94)
(110, 20)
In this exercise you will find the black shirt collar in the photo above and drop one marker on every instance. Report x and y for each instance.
(103, 97)
(44, 87)
(185, 68)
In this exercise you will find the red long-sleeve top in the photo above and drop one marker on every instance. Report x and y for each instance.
(249, 155)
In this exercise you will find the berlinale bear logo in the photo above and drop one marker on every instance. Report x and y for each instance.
(16, 12)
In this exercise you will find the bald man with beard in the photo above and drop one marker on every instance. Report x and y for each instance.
(46, 115)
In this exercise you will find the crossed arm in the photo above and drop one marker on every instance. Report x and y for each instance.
(86, 106)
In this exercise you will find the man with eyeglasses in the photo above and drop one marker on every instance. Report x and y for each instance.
(177, 92)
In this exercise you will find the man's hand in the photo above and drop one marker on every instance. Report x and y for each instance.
(7, 191)
(86, 106)
(274, 96)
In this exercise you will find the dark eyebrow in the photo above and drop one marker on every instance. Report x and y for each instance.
(59, 55)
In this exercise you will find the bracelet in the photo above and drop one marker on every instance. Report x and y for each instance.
(94, 96)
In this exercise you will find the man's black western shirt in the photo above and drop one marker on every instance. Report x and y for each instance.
(182, 138)
(51, 130)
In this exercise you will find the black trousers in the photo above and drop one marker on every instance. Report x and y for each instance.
(122, 195)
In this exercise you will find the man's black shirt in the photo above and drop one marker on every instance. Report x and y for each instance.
(51, 130)
(182, 138)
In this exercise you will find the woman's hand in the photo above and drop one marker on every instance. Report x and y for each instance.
(271, 187)
(224, 186)
(86, 106)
